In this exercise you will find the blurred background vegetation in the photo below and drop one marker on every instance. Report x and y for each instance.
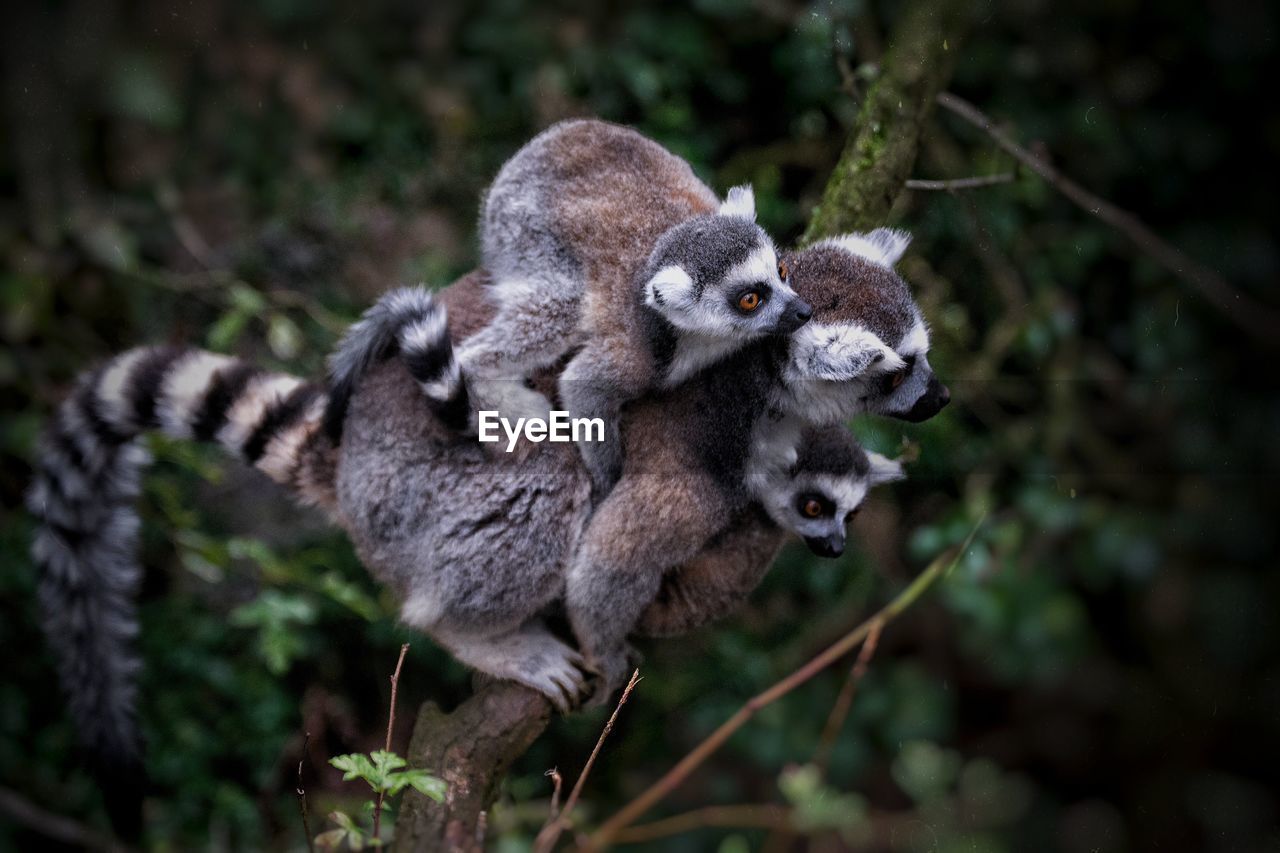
(1100, 672)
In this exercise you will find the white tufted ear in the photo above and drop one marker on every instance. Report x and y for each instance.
(741, 201)
(884, 469)
(671, 288)
(837, 353)
(883, 246)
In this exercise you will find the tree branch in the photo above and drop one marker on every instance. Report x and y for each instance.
(961, 183)
(879, 157)
(53, 826)
(1261, 321)
(470, 749)
(559, 822)
(391, 724)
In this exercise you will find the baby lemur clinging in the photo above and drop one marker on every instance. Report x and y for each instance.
(594, 235)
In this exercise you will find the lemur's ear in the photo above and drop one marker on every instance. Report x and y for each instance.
(884, 469)
(741, 201)
(670, 287)
(883, 246)
(838, 353)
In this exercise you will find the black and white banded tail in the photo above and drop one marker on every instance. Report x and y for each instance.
(83, 493)
(411, 323)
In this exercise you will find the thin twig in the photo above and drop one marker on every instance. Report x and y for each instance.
(1261, 321)
(557, 782)
(550, 833)
(744, 816)
(302, 795)
(53, 826)
(391, 722)
(961, 183)
(840, 710)
(625, 816)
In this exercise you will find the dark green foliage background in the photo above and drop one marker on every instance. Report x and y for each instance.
(1100, 672)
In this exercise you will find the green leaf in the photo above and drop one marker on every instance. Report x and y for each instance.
(224, 332)
(246, 300)
(348, 834)
(283, 337)
(387, 761)
(421, 781)
(354, 766)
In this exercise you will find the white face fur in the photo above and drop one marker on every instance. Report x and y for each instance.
(747, 299)
(837, 371)
(817, 506)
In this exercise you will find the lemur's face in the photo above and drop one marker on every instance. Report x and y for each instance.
(719, 275)
(867, 349)
(825, 488)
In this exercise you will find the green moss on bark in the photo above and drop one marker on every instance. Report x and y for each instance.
(880, 155)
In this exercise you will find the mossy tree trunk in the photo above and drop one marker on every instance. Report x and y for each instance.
(879, 156)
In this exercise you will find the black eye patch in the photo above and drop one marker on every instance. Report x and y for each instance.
(814, 505)
(749, 298)
(890, 381)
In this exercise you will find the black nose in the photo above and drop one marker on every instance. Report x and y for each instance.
(932, 401)
(825, 546)
(793, 317)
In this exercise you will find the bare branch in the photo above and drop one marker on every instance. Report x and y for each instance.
(391, 722)
(53, 826)
(840, 710)
(961, 183)
(624, 817)
(557, 782)
(745, 816)
(1261, 321)
(302, 796)
(550, 833)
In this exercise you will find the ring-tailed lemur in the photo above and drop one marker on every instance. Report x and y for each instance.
(474, 545)
(687, 459)
(816, 498)
(83, 492)
(598, 237)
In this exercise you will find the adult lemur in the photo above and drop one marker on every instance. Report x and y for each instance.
(596, 237)
(475, 545)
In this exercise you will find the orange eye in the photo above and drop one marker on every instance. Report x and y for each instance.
(899, 378)
(783, 272)
(749, 301)
(812, 508)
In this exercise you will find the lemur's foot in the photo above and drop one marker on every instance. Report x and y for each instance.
(557, 673)
(531, 656)
(610, 674)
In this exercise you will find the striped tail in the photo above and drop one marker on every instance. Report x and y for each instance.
(409, 322)
(87, 480)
